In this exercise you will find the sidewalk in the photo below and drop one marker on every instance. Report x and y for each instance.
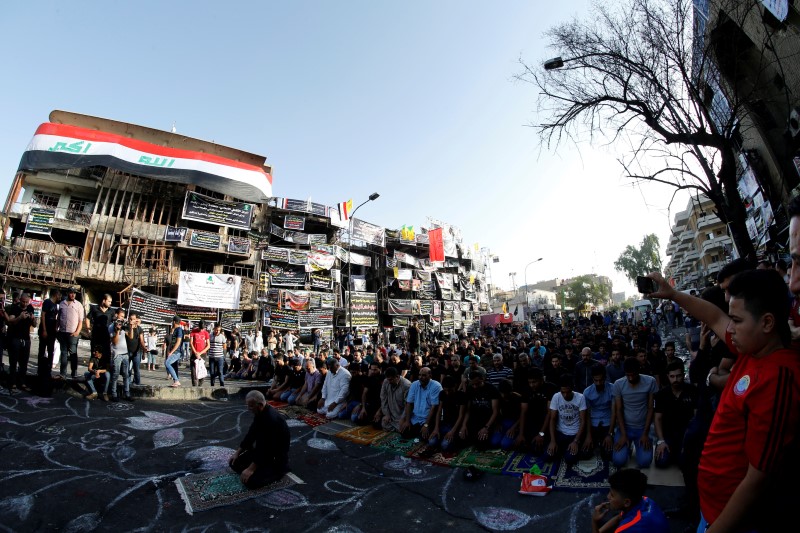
(155, 384)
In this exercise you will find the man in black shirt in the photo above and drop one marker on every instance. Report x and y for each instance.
(263, 455)
(20, 322)
(482, 412)
(97, 321)
(48, 330)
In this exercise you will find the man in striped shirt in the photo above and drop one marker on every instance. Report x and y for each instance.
(498, 371)
(218, 345)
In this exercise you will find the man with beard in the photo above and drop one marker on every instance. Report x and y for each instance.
(482, 411)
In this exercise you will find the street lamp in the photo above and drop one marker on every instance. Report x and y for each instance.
(551, 64)
(527, 300)
(373, 196)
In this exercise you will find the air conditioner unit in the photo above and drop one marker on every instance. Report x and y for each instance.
(794, 122)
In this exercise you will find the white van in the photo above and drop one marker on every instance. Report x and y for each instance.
(641, 308)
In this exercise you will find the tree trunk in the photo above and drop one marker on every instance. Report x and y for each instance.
(733, 207)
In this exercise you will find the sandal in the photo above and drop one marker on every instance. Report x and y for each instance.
(176, 384)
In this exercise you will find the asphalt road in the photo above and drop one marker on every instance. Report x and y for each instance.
(67, 464)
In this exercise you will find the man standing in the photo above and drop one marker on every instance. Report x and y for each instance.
(263, 455)
(216, 354)
(48, 326)
(199, 343)
(173, 349)
(119, 356)
(70, 323)
(422, 403)
(98, 323)
(334, 390)
(20, 322)
(134, 339)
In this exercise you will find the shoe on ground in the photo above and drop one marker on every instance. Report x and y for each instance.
(91, 396)
(105, 397)
(115, 399)
(176, 384)
(128, 398)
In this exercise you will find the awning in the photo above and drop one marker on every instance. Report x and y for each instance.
(61, 146)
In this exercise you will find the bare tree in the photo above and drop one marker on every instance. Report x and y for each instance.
(634, 75)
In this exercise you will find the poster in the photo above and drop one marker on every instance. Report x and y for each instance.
(249, 328)
(364, 306)
(175, 234)
(195, 314)
(296, 300)
(201, 208)
(204, 239)
(298, 257)
(321, 281)
(228, 319)
(322, 300)
(152, 309)
(209, 290)
(274, 253)
(283, 318)
(358, 259)
(239, 245)
(40, 221)
(319, 260)
(404, 307)
(305, 206)
(294, 222)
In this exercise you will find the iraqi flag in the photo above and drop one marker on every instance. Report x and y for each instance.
(436, 249)
(61, 146)
(345, 208)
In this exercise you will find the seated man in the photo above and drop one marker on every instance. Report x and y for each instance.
(482, 411)
(633, 407)
(312, 385)
(334, 390)
(358, 380)
(505, 432)
(600, 405)
(393, 395)
(631, 510)
(534, 426)
(567, 422)
(263, 455)
(281, 380)
(97, 370)
(422, 401)
(449, 415)
(370, 398)
(296, 380)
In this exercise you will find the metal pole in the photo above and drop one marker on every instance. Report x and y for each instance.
(372, 197)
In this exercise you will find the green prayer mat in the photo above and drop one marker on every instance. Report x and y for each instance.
(208, 490)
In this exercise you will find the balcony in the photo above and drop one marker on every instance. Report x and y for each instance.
(43, 262)
(707, 222)
(65, 218)
(715, 244)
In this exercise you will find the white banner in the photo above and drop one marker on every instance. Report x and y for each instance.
(209, 290)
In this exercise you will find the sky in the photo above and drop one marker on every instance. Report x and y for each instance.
(415, 100)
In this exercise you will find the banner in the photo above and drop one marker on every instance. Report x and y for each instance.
(436, 251)
(320, 260)
(321, 281)
(61, 146)
(273, 253)
(358, 283)
(175, 234)
(404, 307)
(260, 240)
(364, 307)
(249, 328)
(315, 318)
(204, 239)
(304, 206)
(283, 318)
(196, 314)
(201, 208)
(287, 276)
(369, 233)
(263, 282)
(151, 308)
(40, 220)
(209, 290)
(296, 300)
(294, 222)
(450, 249)
(228, 319)
(298, 237)
(358, 259)
(321, 300)
(298, 257)
(239, 245)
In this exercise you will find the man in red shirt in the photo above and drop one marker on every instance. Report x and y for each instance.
(749, 446)
(199, 342)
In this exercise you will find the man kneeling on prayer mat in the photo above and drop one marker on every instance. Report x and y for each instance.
(263, 455)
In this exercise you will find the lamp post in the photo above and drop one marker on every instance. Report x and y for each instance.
(373, 196)
(527, 300)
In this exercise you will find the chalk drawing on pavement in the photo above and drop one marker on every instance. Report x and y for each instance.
(167, 437)
(500, 518)
(153, 420)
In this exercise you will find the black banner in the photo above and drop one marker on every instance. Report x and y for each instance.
(294, 222)
(369, 233)
(195, 314)
(175, 234)
(40, 221)
(273, 253)
(204, 239)
(228, 319)
(283, 318)
(316, 318)
(319, 281)
(286, 276)
(364, 308)
(212, 211)
(247, 328)
(322, 299)
(304, 206)
(239, 245)
(152, 309)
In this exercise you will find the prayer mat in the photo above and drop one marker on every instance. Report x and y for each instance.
(488, 461)
(361, 434)
(433, 455)
(276, 404)
(208, 490)
(314, 419)
(293, 411)
(665, 477)
(332, 428)
(393, 442)
(587, 474)
(519, 463)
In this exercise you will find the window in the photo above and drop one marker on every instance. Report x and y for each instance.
(194, 265)
(45, 199)
(714, 258)
(80, 210)
(209, 193)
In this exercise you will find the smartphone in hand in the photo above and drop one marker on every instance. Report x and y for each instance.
(646, 285)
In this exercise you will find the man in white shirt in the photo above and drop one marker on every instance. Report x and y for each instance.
(288, 341)
(567, 422)
(334, 390)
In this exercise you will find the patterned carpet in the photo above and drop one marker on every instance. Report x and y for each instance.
(364, 435)
(208, 490)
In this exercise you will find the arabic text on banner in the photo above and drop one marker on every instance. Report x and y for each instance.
(209, 290)
(203, 208)
(364, 307)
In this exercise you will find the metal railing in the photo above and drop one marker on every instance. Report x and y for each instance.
(41, 261)
(61, 213)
